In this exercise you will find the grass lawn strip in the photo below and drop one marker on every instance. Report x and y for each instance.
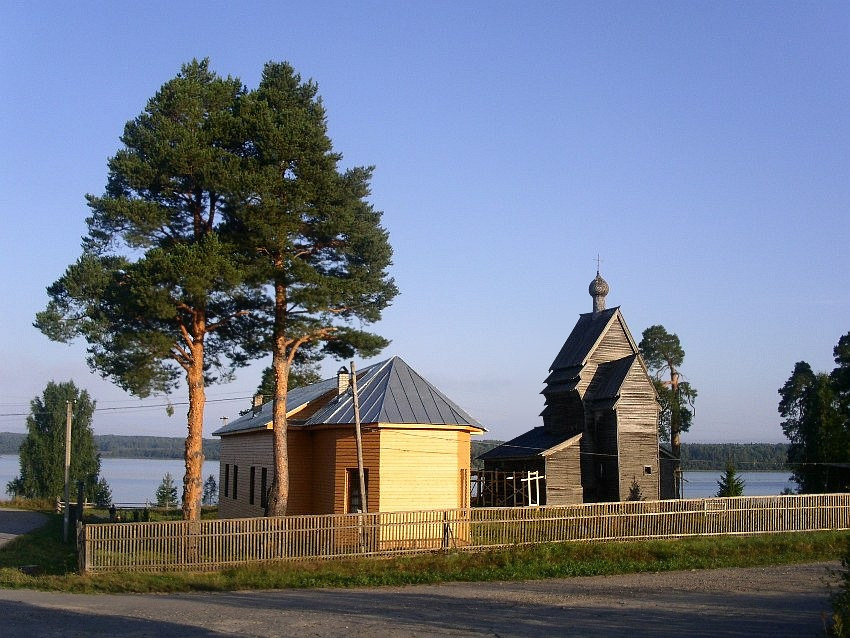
(55, 564)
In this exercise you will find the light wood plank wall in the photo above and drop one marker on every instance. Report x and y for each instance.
(421, 469)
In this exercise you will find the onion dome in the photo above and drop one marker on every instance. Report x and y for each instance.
(598, 289)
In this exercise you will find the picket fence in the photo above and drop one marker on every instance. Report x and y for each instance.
(214, 544)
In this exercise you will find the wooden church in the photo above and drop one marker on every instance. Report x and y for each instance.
(600, 421)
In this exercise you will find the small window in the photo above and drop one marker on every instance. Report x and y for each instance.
(227, 479)
(251, 480)
(264, 489)
(235, 480)
(355, 502)
(647, 469)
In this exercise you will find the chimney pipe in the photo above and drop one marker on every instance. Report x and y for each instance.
(257, 404)
(343, 380)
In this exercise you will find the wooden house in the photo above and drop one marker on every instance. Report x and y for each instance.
(416, 447)
(600, 421)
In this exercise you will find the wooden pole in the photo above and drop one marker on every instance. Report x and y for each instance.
(361, 474)
(68, 417)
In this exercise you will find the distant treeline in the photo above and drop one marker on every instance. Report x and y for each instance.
(746, 457)
(695, 456)
(126, 447)
(480, 447)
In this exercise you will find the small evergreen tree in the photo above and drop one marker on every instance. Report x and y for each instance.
(210, 491)
(635, 493)
(166, 493)
(730, 484)
(102, 494)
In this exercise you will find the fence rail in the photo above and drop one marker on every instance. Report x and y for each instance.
(214, 544)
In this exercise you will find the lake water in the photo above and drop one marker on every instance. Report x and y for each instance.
(704, 484)
(131, 480)
(136, 480)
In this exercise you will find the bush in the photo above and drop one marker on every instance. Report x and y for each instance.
(841, 599)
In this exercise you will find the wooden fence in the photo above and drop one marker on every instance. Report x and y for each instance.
(213, 544)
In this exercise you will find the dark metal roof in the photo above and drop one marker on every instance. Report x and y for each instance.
(295, 398)
(393, 392)
(585, 334)
(527, 445)
(388, 392)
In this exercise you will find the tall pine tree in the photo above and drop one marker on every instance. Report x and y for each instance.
(316, 243)
(816, 420)
(157, 294)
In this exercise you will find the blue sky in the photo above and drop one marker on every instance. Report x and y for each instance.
(701, 148)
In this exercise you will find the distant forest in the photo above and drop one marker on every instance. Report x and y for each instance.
(126, 447)
(747, 457)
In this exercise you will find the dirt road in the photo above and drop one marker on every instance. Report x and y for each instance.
(774, 601)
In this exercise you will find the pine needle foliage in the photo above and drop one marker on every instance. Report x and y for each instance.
(730, 483)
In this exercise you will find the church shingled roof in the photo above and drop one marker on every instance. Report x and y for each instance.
(527, 445)
(585, 334)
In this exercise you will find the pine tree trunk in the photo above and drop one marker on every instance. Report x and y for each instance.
(279, 498)
(194, 451)
(676, 431)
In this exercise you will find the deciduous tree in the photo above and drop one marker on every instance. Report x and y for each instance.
(317, 244)
(157, 294)
(42, 453)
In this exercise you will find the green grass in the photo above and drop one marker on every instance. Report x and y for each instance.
(562, 560)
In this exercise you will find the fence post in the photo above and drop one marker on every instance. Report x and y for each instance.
(82, 546)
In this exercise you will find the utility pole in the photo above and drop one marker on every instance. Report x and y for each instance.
(69, 415)
(359, 441)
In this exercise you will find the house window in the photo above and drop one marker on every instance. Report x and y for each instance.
(264, 490)
(647, 469)
(355, 500)
(235, 480)
(251, 479)
(227, 479)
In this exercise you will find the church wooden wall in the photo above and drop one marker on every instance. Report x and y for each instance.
(563, 476)
(637, 418)
(606, 459)
(564, 413)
